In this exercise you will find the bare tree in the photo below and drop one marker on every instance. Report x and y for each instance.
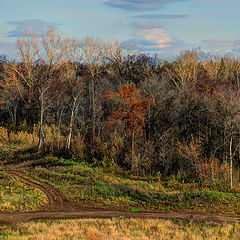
(41, 59)
(73, 83)
(186, 68)
(92, 55)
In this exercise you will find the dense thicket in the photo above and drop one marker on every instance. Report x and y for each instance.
(112, 105)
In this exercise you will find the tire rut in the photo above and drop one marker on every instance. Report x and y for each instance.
(58, 208)
(55, 199)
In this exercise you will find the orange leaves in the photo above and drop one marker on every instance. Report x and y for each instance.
(211, 90)
(130, 106)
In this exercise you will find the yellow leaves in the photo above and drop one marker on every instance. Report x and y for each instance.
(205, 167)
(192, 151)
(3, 135)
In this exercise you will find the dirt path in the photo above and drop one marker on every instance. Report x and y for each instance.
(55, 199)
(9, 218)
(58, 208)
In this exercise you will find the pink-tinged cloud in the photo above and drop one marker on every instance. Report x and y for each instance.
(151, 37)
(156, 37)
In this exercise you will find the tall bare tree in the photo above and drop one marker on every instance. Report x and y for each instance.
(92, 50)
(41, 59)
(74, 84)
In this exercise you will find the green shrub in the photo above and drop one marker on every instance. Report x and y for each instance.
(55, 161)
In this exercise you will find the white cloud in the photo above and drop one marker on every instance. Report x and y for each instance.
(154, 38)
(150, 36)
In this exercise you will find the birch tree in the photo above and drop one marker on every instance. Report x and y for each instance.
(41, 59)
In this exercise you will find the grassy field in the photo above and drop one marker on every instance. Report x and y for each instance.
(87, 186)
(95, 187)
(119, 229)
(16, 196)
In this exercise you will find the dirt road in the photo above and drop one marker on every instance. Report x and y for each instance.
(9, 218)
(58, 208)
(55, 198)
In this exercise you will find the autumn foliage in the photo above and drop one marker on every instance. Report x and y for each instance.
(130, 107)
(109, 104)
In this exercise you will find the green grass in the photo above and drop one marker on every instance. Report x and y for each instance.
(87, 186)
(96, 187)
(134, 210)
(16, 196)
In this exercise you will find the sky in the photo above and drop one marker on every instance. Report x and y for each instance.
(164, 27)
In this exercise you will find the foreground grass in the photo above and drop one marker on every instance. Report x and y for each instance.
(16, 196)
(119, 229)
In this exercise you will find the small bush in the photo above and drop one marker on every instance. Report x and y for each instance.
(3, 135)
(55, 161)
(23, 137)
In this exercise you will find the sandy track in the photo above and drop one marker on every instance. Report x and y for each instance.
(58, 208)
(9, 218)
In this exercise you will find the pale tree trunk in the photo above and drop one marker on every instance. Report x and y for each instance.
(93, 111)
(231, 163)
(134, 159)
(148, 127)
(14, 115)
(71, 125)
(41, 136)
(59, 127)
(12, 110)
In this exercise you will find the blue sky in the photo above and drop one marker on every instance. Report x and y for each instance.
(157, 26)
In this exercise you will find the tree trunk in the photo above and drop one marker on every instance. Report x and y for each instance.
(231, 163)
(59, 127)
(41, 137)
(71, 125)
(94, 111)
(10, 111)
(134, 159)
(14, 116)
(148, 127)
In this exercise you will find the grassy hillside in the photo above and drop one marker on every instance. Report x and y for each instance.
(16, 196)
(95, 187)
(85, 185)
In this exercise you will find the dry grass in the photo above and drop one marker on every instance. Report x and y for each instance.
(3, 135)
(24, 139)
(119, 229)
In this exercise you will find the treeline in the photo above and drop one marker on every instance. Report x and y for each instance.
(112, 105)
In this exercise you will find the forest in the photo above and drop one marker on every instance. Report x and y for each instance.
(115, 106)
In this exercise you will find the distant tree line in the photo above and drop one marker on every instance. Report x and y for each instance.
(113, 105)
